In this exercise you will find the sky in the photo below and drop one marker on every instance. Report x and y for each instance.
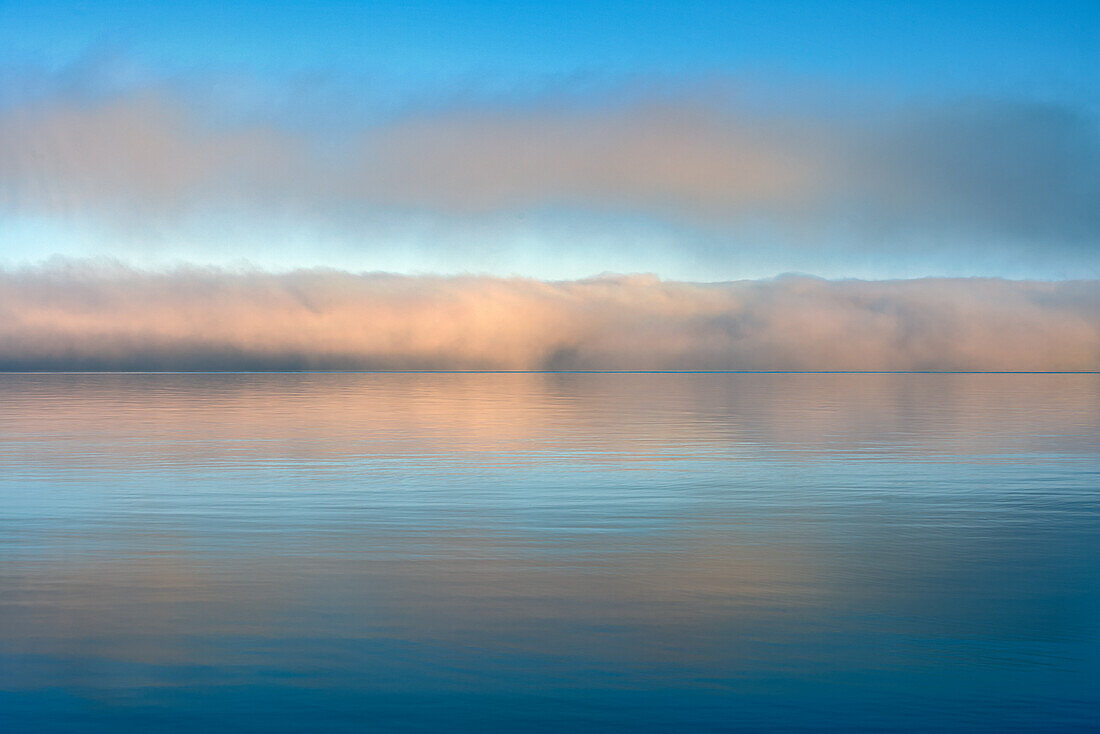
(698, 141)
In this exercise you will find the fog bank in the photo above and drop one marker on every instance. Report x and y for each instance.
(81, 316)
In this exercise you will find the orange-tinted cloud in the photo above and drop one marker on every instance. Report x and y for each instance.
(975, 170)
(78, 316)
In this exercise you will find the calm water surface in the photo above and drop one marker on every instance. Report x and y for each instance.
(554, 552)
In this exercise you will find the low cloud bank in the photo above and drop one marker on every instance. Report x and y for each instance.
(77, 316)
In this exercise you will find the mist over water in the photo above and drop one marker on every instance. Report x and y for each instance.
(89, 316)
(549, 552)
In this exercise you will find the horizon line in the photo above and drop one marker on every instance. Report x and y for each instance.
(550, 372)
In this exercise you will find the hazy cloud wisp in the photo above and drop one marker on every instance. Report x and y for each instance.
(974, 171)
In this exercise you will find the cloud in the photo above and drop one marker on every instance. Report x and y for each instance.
(138, 158)
(84, 316)
(963, 173)
(1028, 171)
(682, 159)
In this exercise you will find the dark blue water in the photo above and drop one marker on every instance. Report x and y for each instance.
(418, 552)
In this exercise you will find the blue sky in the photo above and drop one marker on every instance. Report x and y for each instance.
(868, 139)
(1048, 48)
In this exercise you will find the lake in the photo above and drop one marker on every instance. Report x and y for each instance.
(348, 552)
